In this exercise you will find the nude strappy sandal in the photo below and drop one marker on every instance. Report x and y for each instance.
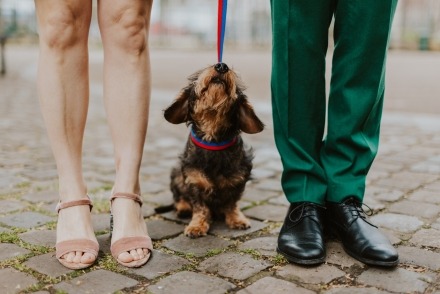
(131, 243)
(83, 245)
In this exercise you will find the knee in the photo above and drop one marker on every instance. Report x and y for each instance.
(63, 30)
(132, 29)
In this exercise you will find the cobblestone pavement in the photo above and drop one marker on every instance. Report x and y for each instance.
(403, 190)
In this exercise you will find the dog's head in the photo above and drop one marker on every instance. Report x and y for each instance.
(214, 103)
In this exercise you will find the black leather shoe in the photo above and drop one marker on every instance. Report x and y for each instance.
(301, 237)
(360, 238)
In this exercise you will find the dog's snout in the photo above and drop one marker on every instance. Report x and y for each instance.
(221, 67)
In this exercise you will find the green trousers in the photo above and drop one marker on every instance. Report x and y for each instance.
(330, 167)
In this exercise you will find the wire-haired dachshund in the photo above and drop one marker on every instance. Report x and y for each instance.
(215, 165)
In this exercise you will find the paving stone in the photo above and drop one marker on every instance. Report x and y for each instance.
(252, 194)
(425, 210)
(189, 282)
(260, 173)
(37, 175)
(42, 196)
(264, 245)
(8, 250)
(40, 237)
(373, 204)
(395, 280)
(353, 290)
(47, 264)
(160, 229)
(7, 206)
(276, 231)
(101, 222)
(436, 225)
(375, 174)
(397, 222)
(383, 194)
(153, 169)
(279, 200)
(275, 165)
(430, 238)
(406, 181)
(148, 210)
(434, 186)
(148, 188)
(420, 257)
(4, 230)
(273, 185)
(159, 264)
(270, 285)
(164, 198)
(322, 274)
(172, 215)
(104, 242)
(26, 220)
(198, 247)
(337, 255)
(13, 281)
(219, 228)
(424, 195)
(430, 166)
(99, 281)
(392, 236)
(233, 265)
(267, 212)
(390, 167)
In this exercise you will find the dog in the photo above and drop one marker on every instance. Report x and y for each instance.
(215, 165)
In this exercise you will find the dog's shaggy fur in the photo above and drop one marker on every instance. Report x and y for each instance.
(209, 183)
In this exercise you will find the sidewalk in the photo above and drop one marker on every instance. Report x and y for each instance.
(403, 190)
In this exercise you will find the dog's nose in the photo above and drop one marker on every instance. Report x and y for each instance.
(221, 67)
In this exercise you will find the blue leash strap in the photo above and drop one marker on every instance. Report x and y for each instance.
(221, 27)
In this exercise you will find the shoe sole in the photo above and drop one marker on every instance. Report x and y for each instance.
(371, 261)
(301, 261)
(362, 259)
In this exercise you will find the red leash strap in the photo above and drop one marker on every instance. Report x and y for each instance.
(221, 27)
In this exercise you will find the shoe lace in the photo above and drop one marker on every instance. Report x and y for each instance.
(304, 212)
(357, 210)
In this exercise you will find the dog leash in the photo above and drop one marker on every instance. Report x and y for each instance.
(221, 27)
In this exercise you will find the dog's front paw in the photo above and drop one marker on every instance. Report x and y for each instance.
(196, 231)
(239, 223)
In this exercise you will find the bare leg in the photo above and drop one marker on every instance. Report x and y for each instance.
(124, 28)
(63, 90)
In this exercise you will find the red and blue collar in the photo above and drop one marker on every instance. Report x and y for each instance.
(213, 146)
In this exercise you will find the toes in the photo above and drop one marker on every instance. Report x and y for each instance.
(125, 257)
(140, 252)
(146, 252)
(77, 258)
(135, 255)
(88, 258)
(69, 256)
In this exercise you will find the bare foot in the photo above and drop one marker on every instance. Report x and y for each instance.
(128, 221)
(76, 223)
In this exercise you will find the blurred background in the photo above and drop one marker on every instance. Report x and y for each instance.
(192, 24)
(183, 39)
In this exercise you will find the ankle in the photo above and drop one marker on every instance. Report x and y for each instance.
(72, 193)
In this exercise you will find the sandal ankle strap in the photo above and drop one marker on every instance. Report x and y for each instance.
(79, 202)
(131, 196)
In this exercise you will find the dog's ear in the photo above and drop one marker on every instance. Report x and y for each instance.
(177, 112)
(247, 119)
